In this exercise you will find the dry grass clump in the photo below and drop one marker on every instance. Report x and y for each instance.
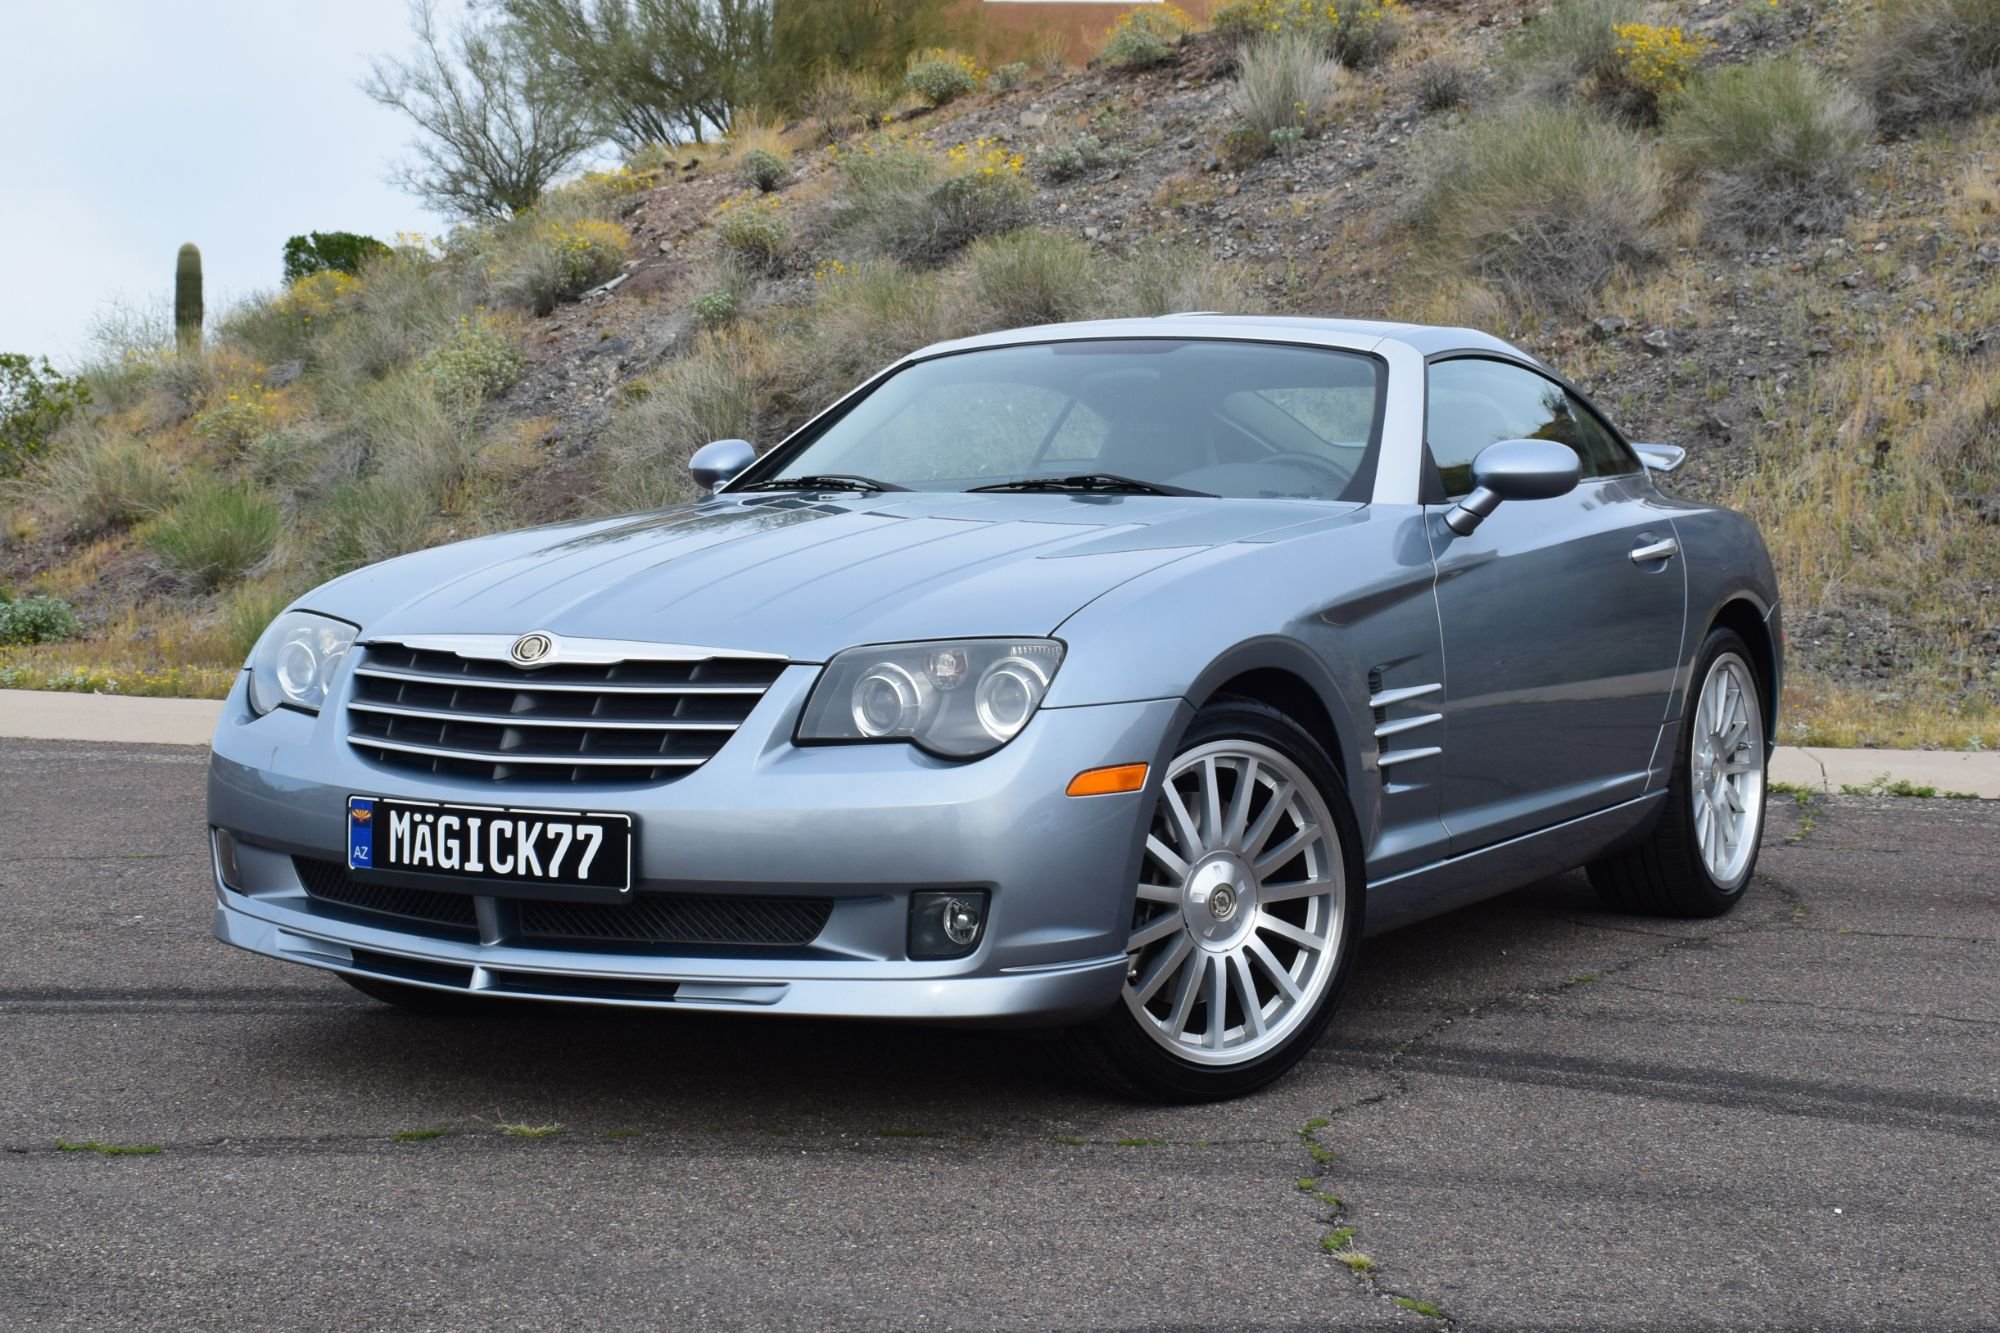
(1924, 60)
(900, 202)
(842, 101)
(1285, 84)
(100, 479)
(1545, 203)
(1769, 145)
(215, 533)
(1563, 48)
(1174, 279)
(1034, 277)
(717, 390)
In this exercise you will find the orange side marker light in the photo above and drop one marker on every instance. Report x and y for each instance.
(1108, 781)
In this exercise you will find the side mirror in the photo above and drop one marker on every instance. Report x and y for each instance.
(1660, 457)
(1514, 470)
(714, 464)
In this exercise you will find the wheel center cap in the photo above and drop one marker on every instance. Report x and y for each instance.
(1219, 900)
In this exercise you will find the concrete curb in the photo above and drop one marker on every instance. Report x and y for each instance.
(48, 716)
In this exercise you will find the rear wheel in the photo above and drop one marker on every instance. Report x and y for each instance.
(1244, 918)
(1698, 859)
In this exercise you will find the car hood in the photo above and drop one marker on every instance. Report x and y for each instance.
(799, 577)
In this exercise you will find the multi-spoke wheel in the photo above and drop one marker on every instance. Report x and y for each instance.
(1698, 858)
(1243, 915)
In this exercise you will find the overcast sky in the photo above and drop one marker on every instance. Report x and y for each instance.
(134, 125)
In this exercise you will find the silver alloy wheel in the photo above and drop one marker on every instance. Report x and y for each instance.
(1726, 770)
(1241, 905)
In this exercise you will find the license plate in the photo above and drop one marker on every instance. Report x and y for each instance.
(492, 845)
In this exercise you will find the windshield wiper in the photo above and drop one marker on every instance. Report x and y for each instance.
(825, 481)
(1108, 483)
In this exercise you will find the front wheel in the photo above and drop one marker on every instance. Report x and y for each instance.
(1244, 917)
(1698, 858)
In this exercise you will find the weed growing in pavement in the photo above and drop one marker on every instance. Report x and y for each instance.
(1337, 1239)
(1142, 1143)
(108, 1149)
(531, 1131)
(419, 1135)
(1069, 1140)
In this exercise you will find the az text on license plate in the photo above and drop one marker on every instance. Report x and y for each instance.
(539, 848)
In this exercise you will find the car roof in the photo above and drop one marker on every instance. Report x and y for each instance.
(1355, 334)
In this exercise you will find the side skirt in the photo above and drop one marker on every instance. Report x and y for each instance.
(1457, 881)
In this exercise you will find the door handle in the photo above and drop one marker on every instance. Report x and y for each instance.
(1660, 550)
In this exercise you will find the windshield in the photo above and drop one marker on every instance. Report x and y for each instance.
(1237, 419)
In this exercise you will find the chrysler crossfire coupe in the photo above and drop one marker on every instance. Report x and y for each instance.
(1113, 677)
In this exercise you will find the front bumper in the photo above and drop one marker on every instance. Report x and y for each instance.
(862, 825)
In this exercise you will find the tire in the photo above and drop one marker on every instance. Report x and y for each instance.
(416, 999)
(1204, 916)
(1680, 868)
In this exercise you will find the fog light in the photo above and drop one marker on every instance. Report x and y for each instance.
(225, 859)
(946, 925)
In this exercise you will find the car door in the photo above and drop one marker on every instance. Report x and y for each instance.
(1559, 645)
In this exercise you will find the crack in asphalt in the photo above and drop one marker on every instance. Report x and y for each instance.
(1815, 1005)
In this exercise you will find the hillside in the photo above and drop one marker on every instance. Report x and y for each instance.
(1836, 373)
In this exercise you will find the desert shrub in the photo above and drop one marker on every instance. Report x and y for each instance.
(1563, 48)
(714, 309)
(940, 76)
(1357, 33)
(35, 403)
(537, 261)
(330, 251)
(756, 233)
(1925, 60)
(102, 480)
(372, 519)
(1546, 203)
(35, 620)
(1033, 276)
(1650, 67)
(406, 306)
(714, 392)
(1143, 38)
(1769, 145)
(1597, 51)
(479, 360)
(408, 428)
(1172, 279)
(215, 533)
(1010, 75)
(900, 202)
(238, 419)
(763, 170)
(866, 314)
(1284, 84)
(1443, 83)
(1066, 161)
(842, 100)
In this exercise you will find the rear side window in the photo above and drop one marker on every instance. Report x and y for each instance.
(1475, 402)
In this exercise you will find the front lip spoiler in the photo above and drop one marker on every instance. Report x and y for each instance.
(1041, 995)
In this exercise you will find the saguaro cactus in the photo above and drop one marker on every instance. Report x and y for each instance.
(187, 298)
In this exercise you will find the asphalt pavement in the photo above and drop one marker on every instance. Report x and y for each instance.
(1532, 1113)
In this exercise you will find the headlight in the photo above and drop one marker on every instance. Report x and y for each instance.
(295, 660)
(961, 697)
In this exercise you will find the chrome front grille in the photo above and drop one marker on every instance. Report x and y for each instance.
(634, 720)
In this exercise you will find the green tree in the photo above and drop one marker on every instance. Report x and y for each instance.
(34, 404)
(343, 251)
(653, 71)
(493, 131)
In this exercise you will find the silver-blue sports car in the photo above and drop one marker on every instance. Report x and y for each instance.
(1116, 677)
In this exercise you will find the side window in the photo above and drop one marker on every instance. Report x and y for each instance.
(1474, 403)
